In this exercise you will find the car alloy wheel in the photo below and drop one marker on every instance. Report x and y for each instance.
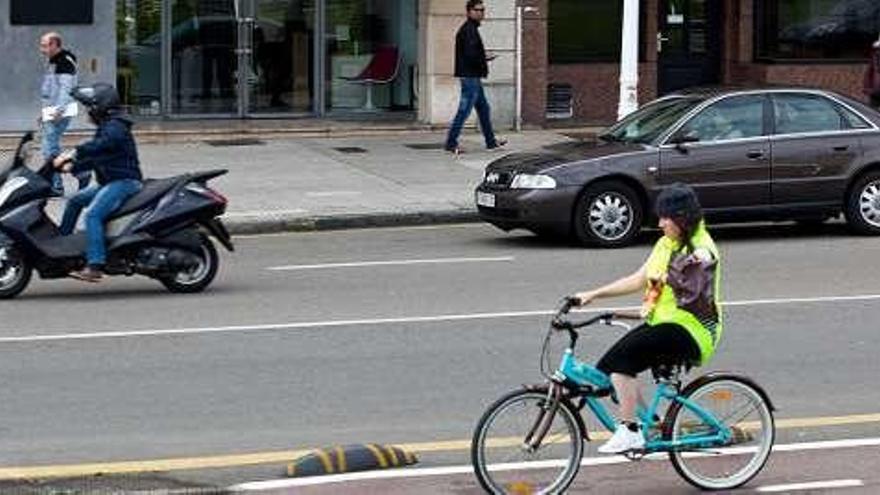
(610, 216)
(869, 203)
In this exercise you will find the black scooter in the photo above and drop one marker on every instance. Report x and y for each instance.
(161, 232)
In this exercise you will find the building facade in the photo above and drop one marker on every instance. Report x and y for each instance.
(572, 49)
(205, 59)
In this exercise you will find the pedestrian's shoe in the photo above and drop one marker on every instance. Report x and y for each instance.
(623, 440)
(499, 143)
(455, 150)
(88, 274)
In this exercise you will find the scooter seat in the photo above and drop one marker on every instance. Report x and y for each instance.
(153, 190)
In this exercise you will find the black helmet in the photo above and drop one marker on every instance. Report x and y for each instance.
(101, 99)
(679, 201)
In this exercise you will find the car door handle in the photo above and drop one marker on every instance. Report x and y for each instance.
(755, 154)
(840, 148)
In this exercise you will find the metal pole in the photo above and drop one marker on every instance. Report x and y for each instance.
(629, 60)
(518, 65)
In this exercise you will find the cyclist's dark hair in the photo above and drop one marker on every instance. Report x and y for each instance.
(473, 3)
(679, 203)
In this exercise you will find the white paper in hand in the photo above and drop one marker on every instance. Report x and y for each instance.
(69, 110)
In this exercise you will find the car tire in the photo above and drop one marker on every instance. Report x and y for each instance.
(863, 205)
(608, 215)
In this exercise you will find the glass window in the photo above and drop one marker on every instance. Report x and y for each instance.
(802, 113)
(854, 121)
(737, 117)
(138, 56)
(650, 121)
(584, 31)
(816, 29)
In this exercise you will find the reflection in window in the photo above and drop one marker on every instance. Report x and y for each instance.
(731, 118)
(138, 55)
(816, 29)
(584, 31)
(797, 113)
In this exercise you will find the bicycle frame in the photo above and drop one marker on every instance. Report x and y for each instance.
(593, 380)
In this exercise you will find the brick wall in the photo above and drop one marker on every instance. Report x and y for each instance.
(596, 86)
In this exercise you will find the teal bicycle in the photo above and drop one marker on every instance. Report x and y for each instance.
(718, 430)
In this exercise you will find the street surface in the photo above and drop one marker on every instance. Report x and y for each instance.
(404, 336)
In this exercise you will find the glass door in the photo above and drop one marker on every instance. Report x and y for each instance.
(203, 57)
(279, 47)
(689, 44)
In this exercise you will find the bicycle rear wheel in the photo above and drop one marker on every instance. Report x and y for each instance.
(505, 464)
(743, 409)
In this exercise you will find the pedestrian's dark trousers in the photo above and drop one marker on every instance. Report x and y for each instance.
(472, 96)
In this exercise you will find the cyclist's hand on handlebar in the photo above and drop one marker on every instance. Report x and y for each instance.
(581, 298)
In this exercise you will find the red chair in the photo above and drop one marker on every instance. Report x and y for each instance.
(382, 69)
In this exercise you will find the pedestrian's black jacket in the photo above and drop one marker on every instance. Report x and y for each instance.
(111, 153)
(470, 55)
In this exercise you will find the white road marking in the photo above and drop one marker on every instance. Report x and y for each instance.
(388, 321)
(590, 461)
(330, 194)
(391, 263)
(814, 485)
(262, 213)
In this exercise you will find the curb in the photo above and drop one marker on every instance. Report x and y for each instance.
(270, 223)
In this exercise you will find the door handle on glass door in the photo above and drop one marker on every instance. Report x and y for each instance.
(660, 40)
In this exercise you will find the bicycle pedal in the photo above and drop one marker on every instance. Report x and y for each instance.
(635, 454)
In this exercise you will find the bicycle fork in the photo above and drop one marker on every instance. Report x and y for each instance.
(541, 426)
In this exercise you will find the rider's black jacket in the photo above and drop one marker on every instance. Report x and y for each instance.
(111, 153)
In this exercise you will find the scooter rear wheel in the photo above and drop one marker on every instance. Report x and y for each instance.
(15, 272)
(198, 278)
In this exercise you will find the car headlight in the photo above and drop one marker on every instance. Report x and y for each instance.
(531, 181)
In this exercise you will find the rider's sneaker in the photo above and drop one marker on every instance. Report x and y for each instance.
(623, 440)
(88, 274)
(739, 435)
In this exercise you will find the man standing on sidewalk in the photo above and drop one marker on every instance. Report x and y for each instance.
(58, 107)
(471, 65)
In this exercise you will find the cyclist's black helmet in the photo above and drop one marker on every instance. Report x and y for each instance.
(679, 202)
(101, 99)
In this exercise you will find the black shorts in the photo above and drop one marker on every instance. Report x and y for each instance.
(647, 346)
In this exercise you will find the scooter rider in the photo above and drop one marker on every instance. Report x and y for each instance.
(112, 154)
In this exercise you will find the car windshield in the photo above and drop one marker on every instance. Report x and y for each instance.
(650, 121)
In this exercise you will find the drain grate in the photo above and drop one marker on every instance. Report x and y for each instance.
(235, 142)
(425, 146)
(350, 149)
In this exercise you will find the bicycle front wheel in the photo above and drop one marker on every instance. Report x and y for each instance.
(745, 413)
(506, 457)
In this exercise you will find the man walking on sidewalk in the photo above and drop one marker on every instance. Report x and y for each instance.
(471, 65)
(57, 106)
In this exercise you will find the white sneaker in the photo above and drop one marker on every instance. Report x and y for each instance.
(623, 440)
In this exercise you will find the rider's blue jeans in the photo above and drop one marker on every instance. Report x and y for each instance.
(102, 202)
(472, 96)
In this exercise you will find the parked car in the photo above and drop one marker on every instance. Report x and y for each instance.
(755, 154)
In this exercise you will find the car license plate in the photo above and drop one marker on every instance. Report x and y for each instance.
(485, 199)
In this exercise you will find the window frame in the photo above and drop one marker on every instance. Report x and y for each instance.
(835, 105)
(759, 14)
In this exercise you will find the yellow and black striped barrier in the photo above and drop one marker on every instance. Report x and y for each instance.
(350, 458)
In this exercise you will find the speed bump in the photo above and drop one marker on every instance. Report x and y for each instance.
(349, 459)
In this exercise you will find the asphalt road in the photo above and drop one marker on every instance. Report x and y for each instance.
(290, 350)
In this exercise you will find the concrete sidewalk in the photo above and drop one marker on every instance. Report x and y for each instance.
(403, 178)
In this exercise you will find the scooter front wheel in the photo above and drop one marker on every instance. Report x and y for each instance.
(15, 272)
(198, 277)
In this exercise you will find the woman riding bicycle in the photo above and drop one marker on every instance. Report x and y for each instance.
(681, 272)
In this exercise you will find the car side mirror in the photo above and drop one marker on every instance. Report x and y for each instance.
(681, 140)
